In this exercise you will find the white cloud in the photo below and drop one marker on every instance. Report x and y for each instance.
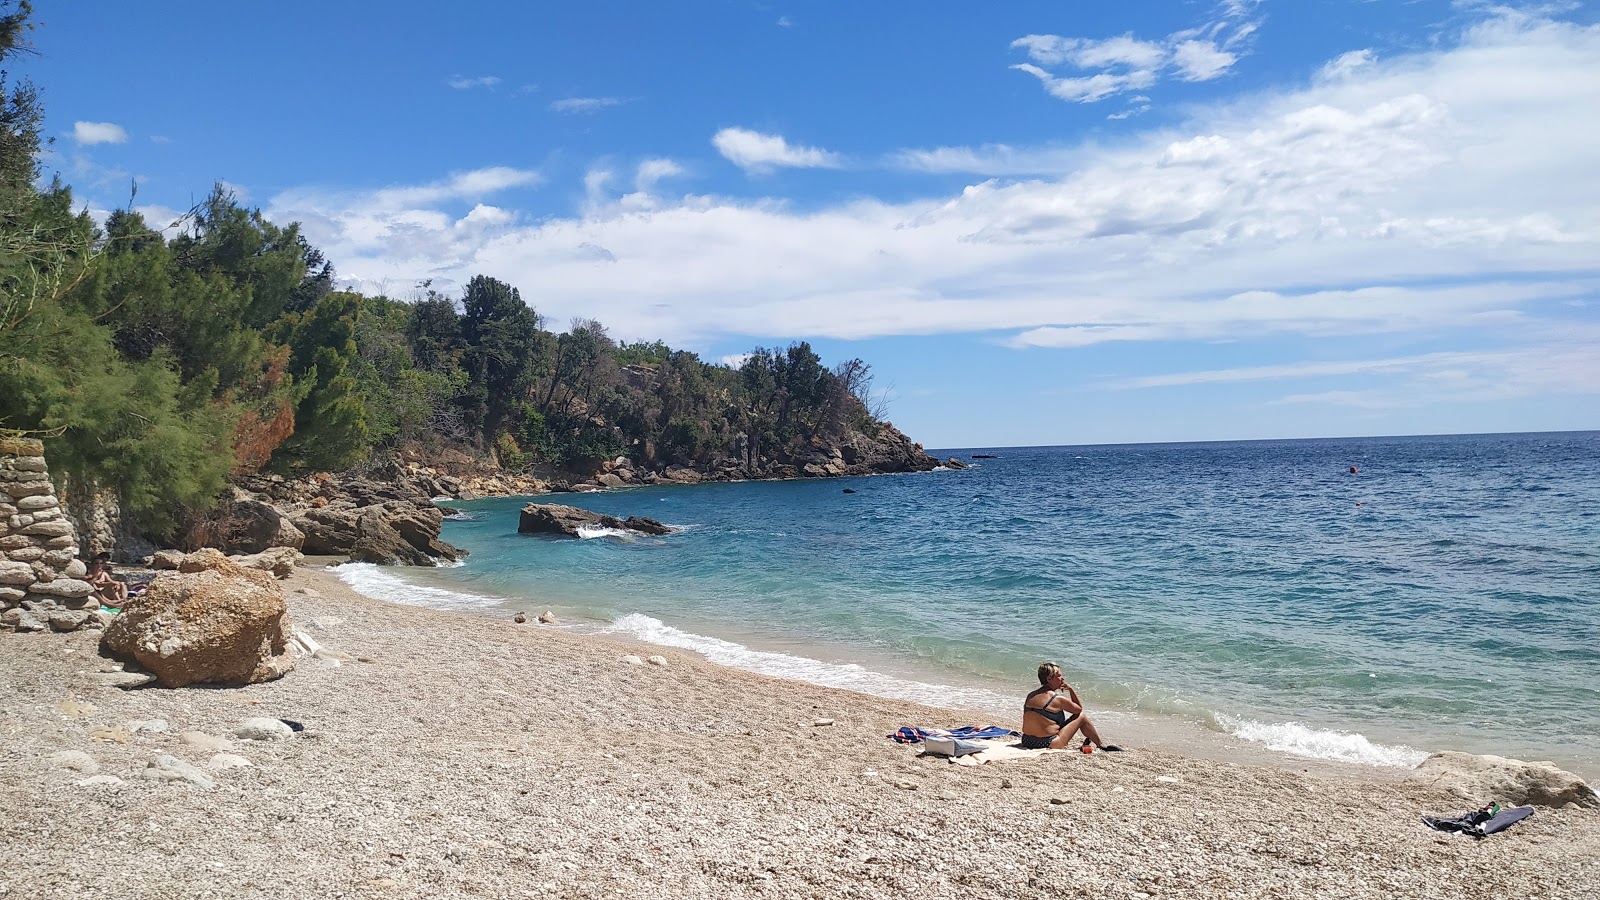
(574, 105)
(465, 83)
(653, 170)
(87, 133)
(1347, 64)
(1436, 196)
(785, 22)
(754, 151)
(1126, 63)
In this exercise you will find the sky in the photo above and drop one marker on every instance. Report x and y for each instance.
(1039, 222)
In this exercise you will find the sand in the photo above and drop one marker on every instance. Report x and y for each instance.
(467, 757)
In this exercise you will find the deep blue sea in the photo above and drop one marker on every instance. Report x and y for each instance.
(1445, 595)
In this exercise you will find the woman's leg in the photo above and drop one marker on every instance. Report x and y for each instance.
(1064, 736)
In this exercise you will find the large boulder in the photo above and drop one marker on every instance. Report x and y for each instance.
(213, 622)
(553, 518)
(1480, 779)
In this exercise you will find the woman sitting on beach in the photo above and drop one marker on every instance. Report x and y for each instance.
(1049, 720)
(108, 590)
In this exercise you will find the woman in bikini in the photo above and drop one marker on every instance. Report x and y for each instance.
(1049, 719)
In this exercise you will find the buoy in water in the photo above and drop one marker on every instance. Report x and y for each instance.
(1353, 470)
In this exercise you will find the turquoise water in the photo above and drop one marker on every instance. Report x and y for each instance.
(1445, 596)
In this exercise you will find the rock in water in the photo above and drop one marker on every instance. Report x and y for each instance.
(213, 623)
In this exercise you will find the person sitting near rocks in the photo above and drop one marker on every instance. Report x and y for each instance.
(1049, 720)
(107, 589)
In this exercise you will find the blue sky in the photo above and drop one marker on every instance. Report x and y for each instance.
(1040, 222)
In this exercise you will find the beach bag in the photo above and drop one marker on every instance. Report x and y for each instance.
(941, 745)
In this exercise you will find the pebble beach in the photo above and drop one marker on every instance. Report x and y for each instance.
(447, 755)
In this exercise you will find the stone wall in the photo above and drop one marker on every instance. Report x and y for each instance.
(41, 577)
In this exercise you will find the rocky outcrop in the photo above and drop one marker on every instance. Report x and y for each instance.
(1480, 779)
(553, 518)
(41, 577)
(212, 622)
(386, 516)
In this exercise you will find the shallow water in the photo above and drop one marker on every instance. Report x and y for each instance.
(1445, 596)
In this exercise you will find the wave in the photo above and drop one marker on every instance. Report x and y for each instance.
(848, 676)
(1320, 743)
(371, 580)
(587, 532)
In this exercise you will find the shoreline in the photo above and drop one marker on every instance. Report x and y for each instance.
(479, 758)
(1189, 736)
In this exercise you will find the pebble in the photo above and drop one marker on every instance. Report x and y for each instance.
(227, 761)
(125, 680)
(263, 730)
(819, 723)
(657, 661)
(199, 740)
(519, 618)
(73, 708)
(148, 726)
(632, 660)
(99, 780)
(171, 768)
(77, 760)
(547, 618)
(111, 734)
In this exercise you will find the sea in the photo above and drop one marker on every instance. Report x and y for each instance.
(1357, 602)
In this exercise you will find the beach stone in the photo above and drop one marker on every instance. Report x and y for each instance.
(100, 781)
(12, 594)
(1480, 779)
(171, 768)
(148, 726)
(67, 588)
(73, 708)
(821, 723)
(657, 661)
(223, 761)
(633, 660)
(111, 734)
(20, 620)
(547, 618)
(50, 529)
(76, 760)
(262, 729)
(37, 502)
(26, 554)
(214, 622)
(68, 619)
(519, 618)
(280, 561)
(207, 743)
(16, 572)
(166, 559)
(125, 680)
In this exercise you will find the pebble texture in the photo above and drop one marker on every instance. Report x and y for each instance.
(41, 577)
(469, 757)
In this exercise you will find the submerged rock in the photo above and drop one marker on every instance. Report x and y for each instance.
(553, 518)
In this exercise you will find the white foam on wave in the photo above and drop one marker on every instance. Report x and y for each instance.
(848, 676)
(588, 532)
(373, 581)
(1321, 743)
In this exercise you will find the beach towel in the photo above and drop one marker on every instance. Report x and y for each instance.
(910, 734)
(1000, 750)
(1479, 823)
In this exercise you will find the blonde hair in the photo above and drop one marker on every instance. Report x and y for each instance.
(1046, 670)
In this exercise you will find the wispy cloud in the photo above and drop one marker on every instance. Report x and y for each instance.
(467, 83)
(1124, 63)
(87, 133)
(757, 152)
(574, 105)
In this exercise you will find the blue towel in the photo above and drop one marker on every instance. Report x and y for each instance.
(910, 734)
